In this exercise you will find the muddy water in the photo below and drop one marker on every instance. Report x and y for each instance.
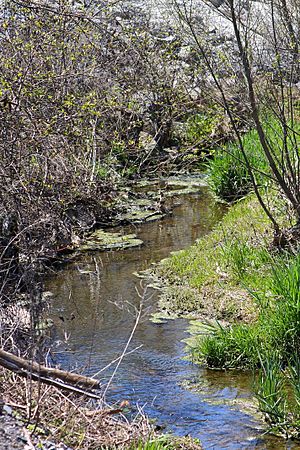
(93, 312)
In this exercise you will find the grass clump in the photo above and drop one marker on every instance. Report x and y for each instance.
(277, 392)
(270, 391)
(277, 325)
(168, 443)
(229, 176)
(229, 347)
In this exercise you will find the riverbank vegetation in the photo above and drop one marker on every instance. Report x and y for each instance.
(92, 95)
(245, 294)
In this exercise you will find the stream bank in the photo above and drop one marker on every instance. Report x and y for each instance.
(94, 312)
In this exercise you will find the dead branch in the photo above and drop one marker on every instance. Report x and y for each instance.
(46, 374)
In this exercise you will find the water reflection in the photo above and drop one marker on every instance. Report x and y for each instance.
(93, 324)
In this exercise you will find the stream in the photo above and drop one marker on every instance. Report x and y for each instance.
(93, 311)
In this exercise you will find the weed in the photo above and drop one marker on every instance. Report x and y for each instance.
(152, 445)
(277, 390)
(201, 127)
(167, 442)
(294, 376)
(282, 318)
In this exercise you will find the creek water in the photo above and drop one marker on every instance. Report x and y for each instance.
(93, 314)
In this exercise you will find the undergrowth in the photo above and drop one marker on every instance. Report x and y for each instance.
(228, 174)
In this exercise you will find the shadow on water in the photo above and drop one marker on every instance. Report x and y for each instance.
(93, 323)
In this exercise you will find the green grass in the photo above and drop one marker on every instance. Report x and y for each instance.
(222, 269)
(168, 442)
(232, 274)
(159, 443)
(282, 316)
(277, 325)
(229, 347)
(270, 389)
(277, 391)
(229, 177)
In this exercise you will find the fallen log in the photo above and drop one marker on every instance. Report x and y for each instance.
(32, 369)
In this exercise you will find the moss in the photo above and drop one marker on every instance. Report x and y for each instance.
(140, 216)
(103, 240)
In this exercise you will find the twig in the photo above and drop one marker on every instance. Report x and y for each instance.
(139, 313)
(28, 439)
(117, 359)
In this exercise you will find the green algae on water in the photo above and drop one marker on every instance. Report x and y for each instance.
(102, 240)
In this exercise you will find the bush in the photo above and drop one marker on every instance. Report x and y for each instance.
(202, 127)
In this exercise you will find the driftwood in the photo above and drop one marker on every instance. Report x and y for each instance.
(49, 375)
